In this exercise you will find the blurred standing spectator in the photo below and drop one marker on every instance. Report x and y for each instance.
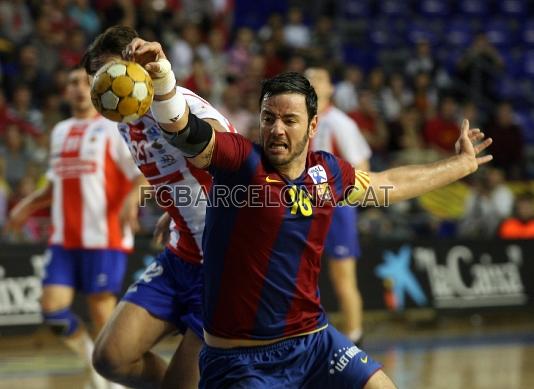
(23, 108)
(274, 25)
(216, 62)
(507, 148)
(72, 51)
(240, 53)
(184, 49)
(15, 155)
(45, 43)
(478, 69)
(325, 44)
(16, 23)
(27, 70)
(521, 224)
(442, 130)
(424, 62)
(296, 33)
(425, 95)
(486, 206)
(8, 116)
(346, 93)
(274, 63)
(406, 139)
(372, 127)
(84, 15)
(395, 97)
(199, 81)
(234, 111)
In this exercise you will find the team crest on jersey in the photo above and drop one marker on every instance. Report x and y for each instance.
(317, 174)
(320, 179)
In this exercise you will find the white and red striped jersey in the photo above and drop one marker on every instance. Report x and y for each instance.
(91, 171)
(338, 134)
(163, 164)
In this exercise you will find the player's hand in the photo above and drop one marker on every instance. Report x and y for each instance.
(129, 215)
(146, 54)
(161, 231)
(16, 220)
(471, 143)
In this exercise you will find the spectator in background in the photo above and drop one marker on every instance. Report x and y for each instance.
(15, 154)
(23, 108)
(425, 95)
(346, 93)
(508, 142)
(406, 139)
(241, 52)
(72, 51)
(521, 225)
(274, 62)
(424, 62)
(478, 69)
(81, 12)
(296, 34)
(273, 27)
(489, 202)
(296, 63)
(442, 130)
(184, 49)
(199, 81)
(395, 97)
(27, 70)
(372, 127)
(325, 44)
(16, 23)
(234, 111)
(216, 62)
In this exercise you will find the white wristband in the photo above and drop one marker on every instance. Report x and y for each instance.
(170, 110)
(164, 80)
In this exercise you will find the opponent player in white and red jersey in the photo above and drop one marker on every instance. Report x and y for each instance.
(168, 296)
(338, 134)
(92, 187)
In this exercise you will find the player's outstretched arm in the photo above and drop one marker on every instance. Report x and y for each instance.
(406, 182)
(39, 199)
(191, 135)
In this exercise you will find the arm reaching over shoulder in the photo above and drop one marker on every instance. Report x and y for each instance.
(407, 182)
(191, 135)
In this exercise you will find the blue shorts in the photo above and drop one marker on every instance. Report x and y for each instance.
(342, 239)
(87, 270)
(171, 290)
(325, 359)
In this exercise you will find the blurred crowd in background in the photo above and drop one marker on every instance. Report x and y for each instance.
(407, 72)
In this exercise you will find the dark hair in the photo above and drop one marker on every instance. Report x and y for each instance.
(112, 41)
(291, 82)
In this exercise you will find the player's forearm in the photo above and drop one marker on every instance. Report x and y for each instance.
(37, 200)
(133, 196)
(410, 181)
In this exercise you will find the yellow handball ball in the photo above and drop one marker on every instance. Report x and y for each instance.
(122, 91)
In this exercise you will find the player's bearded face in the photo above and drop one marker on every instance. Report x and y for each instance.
(284, 128)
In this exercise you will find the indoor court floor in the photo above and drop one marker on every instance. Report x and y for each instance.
(475, 352)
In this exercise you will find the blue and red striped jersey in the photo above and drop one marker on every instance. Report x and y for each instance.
(263, 240)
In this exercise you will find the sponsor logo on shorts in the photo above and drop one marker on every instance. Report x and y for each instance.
(342, 358)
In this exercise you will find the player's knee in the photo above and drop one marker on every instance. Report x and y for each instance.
(106, 360)
(62, 322)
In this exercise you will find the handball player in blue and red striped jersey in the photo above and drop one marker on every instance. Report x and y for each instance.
(264, 326)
